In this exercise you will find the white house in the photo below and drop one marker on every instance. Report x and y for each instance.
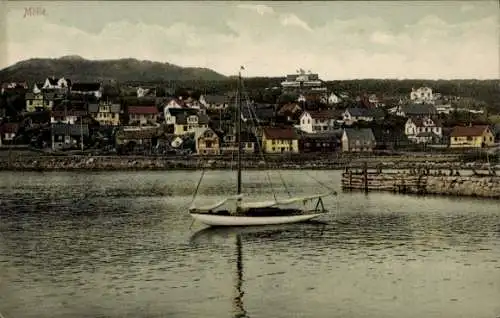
(170, 113)
(317, 121)
(36, 89)
(141, 92)
(333, 99)
(423, 130)
(352, 115)
(422, 95)
(214, 101)
(53, 83)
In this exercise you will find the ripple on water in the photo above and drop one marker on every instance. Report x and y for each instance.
(119, 245)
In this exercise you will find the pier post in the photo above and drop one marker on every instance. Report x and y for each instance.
(365, 176)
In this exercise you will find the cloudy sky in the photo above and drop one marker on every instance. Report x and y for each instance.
(339, 40)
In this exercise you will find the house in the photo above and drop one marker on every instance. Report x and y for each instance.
(416, 110)
(421, 95)
(142, 115)
(355, 114)
(280, 140)
(215, 102)
(333, 99)
(229, 143)
(146, 91)
(175, 103)
(68, 112)
(207, 142)
(8, 132)
(39, 101)
(188, 122)
(52, 83)
(291, 112)
(106, 113)
(423, 130)
(358, 140)
(317, 121)
(325, 142)
(66, 136)
(478, 136)
(171, 113)
(94, 89)
(137, 138)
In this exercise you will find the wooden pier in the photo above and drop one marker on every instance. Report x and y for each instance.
(422, 181)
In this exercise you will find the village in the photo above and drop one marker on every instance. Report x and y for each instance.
(306, 117)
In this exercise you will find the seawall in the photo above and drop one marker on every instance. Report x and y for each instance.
(43, 162)
(486, 186)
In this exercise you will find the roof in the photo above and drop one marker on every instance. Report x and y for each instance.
(115, 108)
(70, 130)
(419, 109)
(361, 134)
(9, 128)
(142, 110)
(426, 134)
(52, 80)
(200, 131)
(69, 112)
(365, 112)
(419, 121)
(261, 112)
(216, 99)
(320, 136)
(93, 108)
(85, 87)
(322, 114)
(176, 111)
(181, 118)
(289, 108)
(468, 131)
(282, 133)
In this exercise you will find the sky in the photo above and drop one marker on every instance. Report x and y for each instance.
(337, 39)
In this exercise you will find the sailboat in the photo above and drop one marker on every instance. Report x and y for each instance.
(252, 213)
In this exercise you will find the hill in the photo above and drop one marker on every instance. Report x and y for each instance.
(77, 68)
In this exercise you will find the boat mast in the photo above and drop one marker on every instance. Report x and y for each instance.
(238, 129)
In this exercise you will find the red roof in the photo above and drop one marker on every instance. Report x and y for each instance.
(282, 133)
(323, 114)
(9, 128)
(468, 131)
(142, 110)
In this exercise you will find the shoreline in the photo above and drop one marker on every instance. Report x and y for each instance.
(46, 163)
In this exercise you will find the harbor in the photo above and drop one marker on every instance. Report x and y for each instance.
(118, 244)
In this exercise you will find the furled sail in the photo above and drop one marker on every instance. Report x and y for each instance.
(216, 205)
(268, 204)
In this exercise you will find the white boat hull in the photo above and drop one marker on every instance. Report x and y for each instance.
(227, 220)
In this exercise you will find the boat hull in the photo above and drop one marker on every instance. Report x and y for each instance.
(228, 220)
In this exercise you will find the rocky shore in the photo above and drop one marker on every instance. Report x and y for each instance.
(86, 162)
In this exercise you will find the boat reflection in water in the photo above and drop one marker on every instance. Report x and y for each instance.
(207, 235)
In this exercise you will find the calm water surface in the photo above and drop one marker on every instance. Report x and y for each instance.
(119, 245)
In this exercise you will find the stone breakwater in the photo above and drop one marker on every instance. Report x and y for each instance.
(486, 186)
(81, 162)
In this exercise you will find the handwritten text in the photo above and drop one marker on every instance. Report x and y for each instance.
(33, 12)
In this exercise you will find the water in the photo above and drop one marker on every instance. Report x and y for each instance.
(118, 245)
